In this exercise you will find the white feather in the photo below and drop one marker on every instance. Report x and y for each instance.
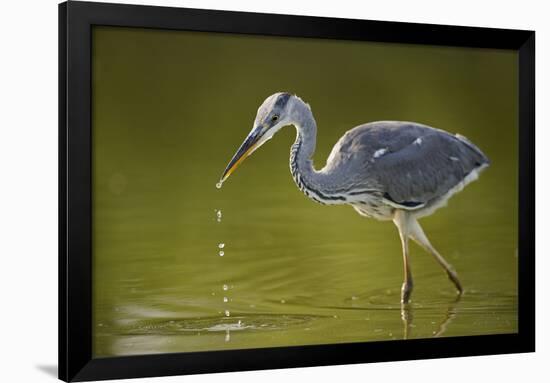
(442, 201)
(379, 152)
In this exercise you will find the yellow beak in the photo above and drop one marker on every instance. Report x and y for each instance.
(246, 148)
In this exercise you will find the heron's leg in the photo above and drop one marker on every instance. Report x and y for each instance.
(401, 220)
(417, 234)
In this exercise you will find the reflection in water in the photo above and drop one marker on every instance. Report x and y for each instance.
(407, 318)
(449, 317)
(407, 315)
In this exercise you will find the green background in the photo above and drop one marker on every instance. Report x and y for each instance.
(170, 108)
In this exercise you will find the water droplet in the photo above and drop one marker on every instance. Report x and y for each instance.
(221, 253)
(225, 287)
(221, 245)
(227, 336)
(218, 215)
(354, 298)
(239, 323)
(225, 299)
(219, 185)
(227, 313)
(283, 301)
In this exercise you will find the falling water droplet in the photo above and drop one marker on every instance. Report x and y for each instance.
(221, 253)
(219, 185)
(225, 287)
(221, 245)
(227, 313)
(218, 215)
(227, 336)
(225, 299)
(239, 323)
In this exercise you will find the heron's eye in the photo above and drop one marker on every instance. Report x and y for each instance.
(274, 118)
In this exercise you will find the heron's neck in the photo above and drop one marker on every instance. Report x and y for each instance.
(308, 180)
(302, 150)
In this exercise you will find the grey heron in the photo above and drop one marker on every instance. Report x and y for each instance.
(388, 170)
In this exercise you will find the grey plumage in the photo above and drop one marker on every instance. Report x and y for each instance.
(409, 164)
(389, 170)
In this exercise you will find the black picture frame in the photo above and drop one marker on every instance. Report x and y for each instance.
(75, 191)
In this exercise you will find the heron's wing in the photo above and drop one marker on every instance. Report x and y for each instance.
(425, 168)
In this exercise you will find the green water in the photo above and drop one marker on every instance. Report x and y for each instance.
(169, 110)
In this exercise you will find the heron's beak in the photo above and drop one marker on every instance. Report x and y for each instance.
(251, 143)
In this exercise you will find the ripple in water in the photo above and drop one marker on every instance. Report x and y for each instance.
(193, 326)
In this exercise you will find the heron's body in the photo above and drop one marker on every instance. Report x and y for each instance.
(387, 165)
(388, 170)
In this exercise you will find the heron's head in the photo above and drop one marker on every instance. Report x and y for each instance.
(273, 114)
